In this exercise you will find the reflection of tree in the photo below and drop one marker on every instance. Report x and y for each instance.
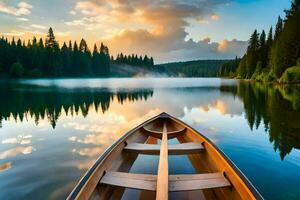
(277, 106)
(43, 104)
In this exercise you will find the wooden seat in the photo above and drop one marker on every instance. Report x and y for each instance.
(176, 182)
(174, 149)
(158, 134)
(129, 180)
(163, 183)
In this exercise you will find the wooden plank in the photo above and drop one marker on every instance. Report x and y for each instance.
(162, 188)
(197, 182)
(158, 134)
(175, 149)
(128, 180)
(176, 182)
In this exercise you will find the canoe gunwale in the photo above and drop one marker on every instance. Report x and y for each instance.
(79, 186)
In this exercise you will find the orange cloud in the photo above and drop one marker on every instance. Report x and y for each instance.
(215, 17)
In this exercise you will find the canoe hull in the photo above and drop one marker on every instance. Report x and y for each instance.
(211, 160)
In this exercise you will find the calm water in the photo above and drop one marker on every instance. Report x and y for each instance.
(53, 130)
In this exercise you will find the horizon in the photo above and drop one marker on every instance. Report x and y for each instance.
(170, 31)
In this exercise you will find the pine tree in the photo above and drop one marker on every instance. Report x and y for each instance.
(242, 68)
(50, 41)
(278, 29)
(39, 58)
(287, 48)
(96, 62)
(252, 54)
(263, 51)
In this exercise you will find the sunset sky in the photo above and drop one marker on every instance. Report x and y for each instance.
(168, 30)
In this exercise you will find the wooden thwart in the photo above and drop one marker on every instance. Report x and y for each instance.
(197, 182)
(174, 149)
(158, 134)
(176, 182)
(129, 180)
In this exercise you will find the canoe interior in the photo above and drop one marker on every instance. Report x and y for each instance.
(185, 161)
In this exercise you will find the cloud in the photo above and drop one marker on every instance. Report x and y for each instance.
(22, 19)
(215, 17)
(203, 21)
(14, 33)
(22, 8)
(157, 28)
(72, 12)
(37, 26)
(230, 47)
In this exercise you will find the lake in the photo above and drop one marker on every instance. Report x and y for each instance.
(52, 130)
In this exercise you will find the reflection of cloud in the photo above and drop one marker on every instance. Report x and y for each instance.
(90, 152)
(15, 151)
(108, 128)
(10, 141)
(73, 138)
(106, 123)
(224, 107)
(86, 164)
(220, 106)
(192, 116)
(76, 126)
(100, 138)
(5, 166)
(18, 140)
(25, 142)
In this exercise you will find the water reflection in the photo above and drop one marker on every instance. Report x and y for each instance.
(48, 103)
(277, 107)
(60, 128)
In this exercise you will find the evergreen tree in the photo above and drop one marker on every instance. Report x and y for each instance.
(51, 43)
(269, 45)
(242, 68)
(263, 51)
(66, 60)
(252, 54)
(84, 58)
(279, 27)
(36, 58)
(287, 48)
(96, 62)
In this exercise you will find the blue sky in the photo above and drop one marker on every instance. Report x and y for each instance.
(239, 19)
(169, 30)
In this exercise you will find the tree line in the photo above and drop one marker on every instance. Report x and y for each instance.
(229, 68)
(134, 60)
(272, 56)
(39, 58)
(196, 68)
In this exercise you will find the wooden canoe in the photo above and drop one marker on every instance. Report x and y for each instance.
(216, 176)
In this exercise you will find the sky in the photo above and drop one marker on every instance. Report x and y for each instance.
(168, 30)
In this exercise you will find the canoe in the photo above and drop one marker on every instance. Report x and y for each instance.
(215, 177)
